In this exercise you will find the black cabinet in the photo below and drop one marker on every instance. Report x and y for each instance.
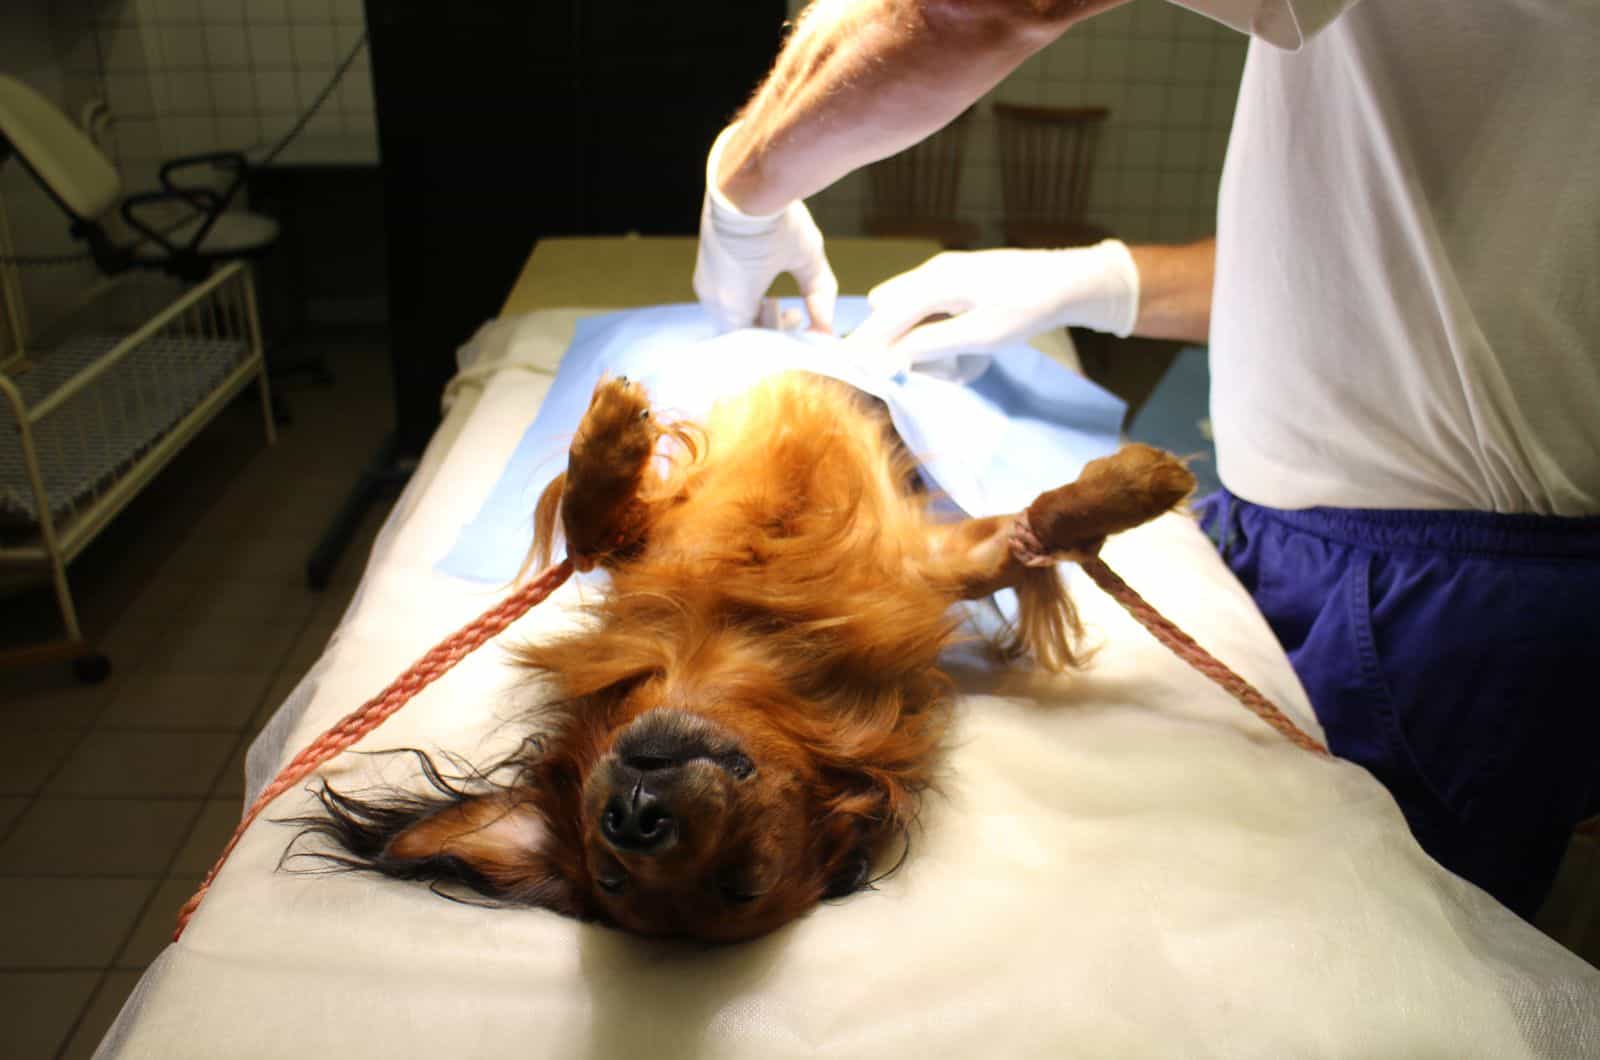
(501, 121)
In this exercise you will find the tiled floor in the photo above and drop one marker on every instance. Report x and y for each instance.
(114, 798)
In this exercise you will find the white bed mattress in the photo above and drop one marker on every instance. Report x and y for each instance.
(1123, 862)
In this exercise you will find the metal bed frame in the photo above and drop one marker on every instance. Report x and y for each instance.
(98, 409)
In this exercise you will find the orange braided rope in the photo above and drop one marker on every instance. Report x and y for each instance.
(1184, 647)
(373, 713)
(465, 640)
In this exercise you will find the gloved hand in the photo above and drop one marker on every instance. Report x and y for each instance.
(993, 298)
(741, 254)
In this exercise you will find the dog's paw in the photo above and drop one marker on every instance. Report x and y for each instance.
(617, 430)
(1114, 493)
(610, 455)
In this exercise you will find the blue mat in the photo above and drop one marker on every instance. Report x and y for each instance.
(1177, 416)
(990, 446)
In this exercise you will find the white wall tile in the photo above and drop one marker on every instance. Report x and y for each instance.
(326, 122)
(310, 11)
(1186, 150)
(1142, 148)
(1150, 59)
(226, 45)
(309, 84)
(1109, 58)
(189, 92)
(123, 48)
(1159, 18)
(79, 48)
(138, 138)
(128, 95)
(191, 135)
(345, 37)
(355, 94)
(113, 12)
(275, 92)
(1192, 59)
(1177, 190)
(222, 11)
(361, 125)
(239, 132)
(268, 11)
(1145, 103)
(1138, 188)
(271, 47)
(313, 45)
(349, 11)
(1188, 106)
(172, 10)
(1068, 58)
(233, 92)
(183, 47)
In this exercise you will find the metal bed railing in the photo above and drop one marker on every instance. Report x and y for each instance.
(101, 406)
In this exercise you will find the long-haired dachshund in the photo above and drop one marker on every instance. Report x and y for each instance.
(747, 717)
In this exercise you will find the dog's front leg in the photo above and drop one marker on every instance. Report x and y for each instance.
(603, 515)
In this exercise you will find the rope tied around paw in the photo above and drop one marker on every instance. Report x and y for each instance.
(376, 710)
(1030, 551)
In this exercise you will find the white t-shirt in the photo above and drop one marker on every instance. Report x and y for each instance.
(1407, 304)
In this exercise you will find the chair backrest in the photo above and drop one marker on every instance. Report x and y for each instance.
(917, 192)
(1046, 164)
(60, 155)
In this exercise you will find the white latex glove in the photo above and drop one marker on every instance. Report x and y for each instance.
(741, 254)
(993, 298)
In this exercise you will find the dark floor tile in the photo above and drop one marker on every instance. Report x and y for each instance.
(209, 835)
(240, 645)
(144, 764)
(101, 1013)
(230, 784)
(228, 598)
(28, 757)
(97, 837)
(162, 700)
(51, 697)
(38, 1009)
(11, 808)
(68, 923)
(156, 926)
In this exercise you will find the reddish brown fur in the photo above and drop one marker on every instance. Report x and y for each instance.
(779, 600)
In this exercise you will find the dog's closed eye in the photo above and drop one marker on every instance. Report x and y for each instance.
(735, 889)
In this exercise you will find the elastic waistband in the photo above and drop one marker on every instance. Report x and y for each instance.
(1492, 533)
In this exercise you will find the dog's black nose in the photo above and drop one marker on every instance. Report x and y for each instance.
(638, 822)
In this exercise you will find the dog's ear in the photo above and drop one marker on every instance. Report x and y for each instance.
(862, 825)
(500, 843)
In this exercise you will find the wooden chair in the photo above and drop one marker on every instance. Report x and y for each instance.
(1046, 164)
(916, 193)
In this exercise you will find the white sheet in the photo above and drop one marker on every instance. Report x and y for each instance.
(1123, 862)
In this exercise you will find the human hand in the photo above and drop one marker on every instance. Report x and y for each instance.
(741, 254)
(990, 298)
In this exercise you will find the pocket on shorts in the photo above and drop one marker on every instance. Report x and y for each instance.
(1402, 769)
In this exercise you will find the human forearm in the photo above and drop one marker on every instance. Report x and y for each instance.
(1175, 290)
(860, 80)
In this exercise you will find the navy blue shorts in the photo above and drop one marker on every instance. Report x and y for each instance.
(1450, 654)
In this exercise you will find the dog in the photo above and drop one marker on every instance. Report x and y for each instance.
(746, 720)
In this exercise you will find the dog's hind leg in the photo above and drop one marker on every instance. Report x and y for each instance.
(599, 500)
(977, 557)
(1114, 493)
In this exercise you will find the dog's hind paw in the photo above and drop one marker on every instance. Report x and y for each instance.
(600, 508)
